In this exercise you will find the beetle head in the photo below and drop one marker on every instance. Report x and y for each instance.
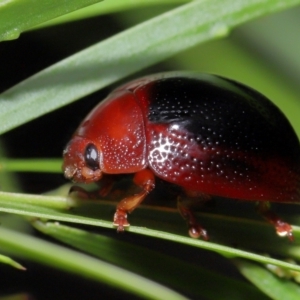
(82, 161)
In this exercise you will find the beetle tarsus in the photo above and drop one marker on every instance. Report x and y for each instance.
(282, 228)
(120, 220)
(195, 230)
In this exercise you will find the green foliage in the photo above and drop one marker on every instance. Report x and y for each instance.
(18, 16)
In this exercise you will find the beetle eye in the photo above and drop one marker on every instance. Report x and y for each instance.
(91, 157)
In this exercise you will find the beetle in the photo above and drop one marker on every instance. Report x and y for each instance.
(209, 135)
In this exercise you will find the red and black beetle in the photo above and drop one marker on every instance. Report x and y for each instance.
(210, 135)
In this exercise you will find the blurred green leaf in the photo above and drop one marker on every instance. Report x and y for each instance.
(30, 165)
(145, 262)
(125, 53)
(7, 260)
(32, 12)
(273, 286)
(26, 208)
(7, 180)
(110, 7)
(71, 261)
(10, 199)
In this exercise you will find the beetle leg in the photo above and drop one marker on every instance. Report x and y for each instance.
(80, 192)
(106, 184)
(282, 228)
(184, 205)
(144, 179)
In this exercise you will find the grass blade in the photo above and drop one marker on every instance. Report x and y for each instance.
(31, 13)
(142, 260)
(126, 53)
(107, 7)
(71, 261)
(267, 282)
(27, 209)
(7, 260)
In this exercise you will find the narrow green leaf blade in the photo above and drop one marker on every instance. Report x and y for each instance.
(31, 165)
(31, 12)
(143, 261)
(27, 209)
(267, 282)
(7, 260)
(71, 261)
(108, 7)
(125, 53)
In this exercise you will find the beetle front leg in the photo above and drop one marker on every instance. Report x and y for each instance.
(106, 185)
(282, 228)
(144, 179)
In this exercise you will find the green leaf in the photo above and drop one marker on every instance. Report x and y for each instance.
(108, 7)
(30, 165)
(27, 207)
(10, 199)
(32, 12)
(126, 53)
(143, 261)
(71, 261)
(267, 282)
(7, 260)
(8, 182)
